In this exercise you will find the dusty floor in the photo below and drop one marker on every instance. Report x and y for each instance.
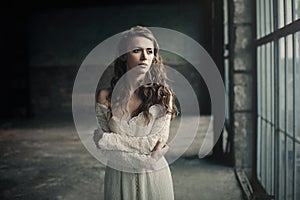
(44, 159)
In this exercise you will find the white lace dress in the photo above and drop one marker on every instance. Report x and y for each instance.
(131, 172)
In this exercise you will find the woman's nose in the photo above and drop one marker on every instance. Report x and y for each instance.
(144, 55)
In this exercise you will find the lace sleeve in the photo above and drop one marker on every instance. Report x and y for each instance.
(144, 144)
(102, 114)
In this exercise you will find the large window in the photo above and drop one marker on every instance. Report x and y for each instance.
(278, 97)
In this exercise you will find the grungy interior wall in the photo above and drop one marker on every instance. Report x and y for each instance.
(59, 40)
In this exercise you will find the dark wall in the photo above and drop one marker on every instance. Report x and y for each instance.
(53, 41)
(14, 75)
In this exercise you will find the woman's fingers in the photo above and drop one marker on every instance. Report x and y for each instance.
(158, 145)
(159, 150)
(165, 149)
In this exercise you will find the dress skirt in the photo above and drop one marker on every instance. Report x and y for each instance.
(155, 185)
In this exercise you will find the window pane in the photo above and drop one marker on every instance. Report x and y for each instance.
(281, 166)
(269, 159)
(296, 9)
(226, 61)
(290, 169)
(281, 84)
(268, 17)
(272, 84)
(289, 85)
(288, 11)
(297, 82)
(263, 81)
(271, 15)
(259, 152)
(227, 87)
(298, 170)
(268, 83)
(259, 81)
(258, 18)
(263, 153)
(225, 15)
(262, 18)
(280, 14)
(273, 160)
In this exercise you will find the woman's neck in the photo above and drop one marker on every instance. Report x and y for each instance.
(134, 84)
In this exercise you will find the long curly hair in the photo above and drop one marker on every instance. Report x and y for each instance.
(156, 91)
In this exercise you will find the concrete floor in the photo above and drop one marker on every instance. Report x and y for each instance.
(44, 159)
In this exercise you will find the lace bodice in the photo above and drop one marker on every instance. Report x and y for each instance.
(136, 126)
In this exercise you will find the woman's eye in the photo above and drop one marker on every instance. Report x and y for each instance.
(136, 50)
(149, 51)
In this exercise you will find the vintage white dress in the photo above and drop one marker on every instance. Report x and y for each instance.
(131, 172)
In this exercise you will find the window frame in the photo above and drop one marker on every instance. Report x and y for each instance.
(263, 38)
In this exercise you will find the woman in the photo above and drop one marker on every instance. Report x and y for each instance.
(134, 116)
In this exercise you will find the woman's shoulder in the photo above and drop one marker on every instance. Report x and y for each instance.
(102, 96)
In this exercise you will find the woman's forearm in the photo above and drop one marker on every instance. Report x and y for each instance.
(143, 144)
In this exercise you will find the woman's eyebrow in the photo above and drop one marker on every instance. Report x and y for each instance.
(141, 48)
(137, 47)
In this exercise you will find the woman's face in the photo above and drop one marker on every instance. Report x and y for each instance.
(140, 54)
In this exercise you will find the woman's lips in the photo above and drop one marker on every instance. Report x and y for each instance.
(143, 65)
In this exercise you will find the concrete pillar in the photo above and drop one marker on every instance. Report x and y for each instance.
(242, 82)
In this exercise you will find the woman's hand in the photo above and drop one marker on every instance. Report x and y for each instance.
(159, 150)
(98, 133)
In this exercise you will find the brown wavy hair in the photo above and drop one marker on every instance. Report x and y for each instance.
(155, 92)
